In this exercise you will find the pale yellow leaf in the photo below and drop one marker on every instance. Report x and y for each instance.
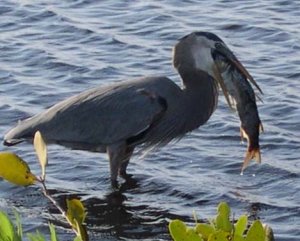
(41, 151)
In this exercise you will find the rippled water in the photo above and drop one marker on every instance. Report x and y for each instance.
(50, 50)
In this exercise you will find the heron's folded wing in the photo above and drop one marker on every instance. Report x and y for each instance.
(99, 116)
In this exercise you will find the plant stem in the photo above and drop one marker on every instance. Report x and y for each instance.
(55, 203)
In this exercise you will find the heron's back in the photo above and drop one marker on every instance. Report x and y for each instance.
(103, 115)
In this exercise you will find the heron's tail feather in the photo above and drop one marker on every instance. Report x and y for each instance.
(18, 134)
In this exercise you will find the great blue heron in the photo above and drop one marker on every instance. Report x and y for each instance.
(149, 111)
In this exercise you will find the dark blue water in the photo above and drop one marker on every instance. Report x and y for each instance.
(50, 50)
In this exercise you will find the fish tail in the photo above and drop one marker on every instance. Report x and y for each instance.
(251, 154)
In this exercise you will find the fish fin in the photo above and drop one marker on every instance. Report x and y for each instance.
(243, 134)
(253, 154)
(261, 127)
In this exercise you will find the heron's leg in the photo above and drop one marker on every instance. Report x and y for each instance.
(124, 164)
(117, 153)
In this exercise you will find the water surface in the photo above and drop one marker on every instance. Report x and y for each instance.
(50, 50)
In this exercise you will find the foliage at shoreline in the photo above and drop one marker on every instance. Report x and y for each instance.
(10, 231)
(15, 170)
(221, 228)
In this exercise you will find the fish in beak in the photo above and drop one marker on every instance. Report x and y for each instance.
(228, 58)
(222, 49)
(234, 81)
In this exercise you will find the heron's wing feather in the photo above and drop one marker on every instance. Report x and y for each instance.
(113, 116)
(102, 115)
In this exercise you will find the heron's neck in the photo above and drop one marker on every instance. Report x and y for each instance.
(201, 96)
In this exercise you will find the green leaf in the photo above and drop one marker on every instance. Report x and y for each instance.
(41, 151)
(82, 231)
(192, 235)
(7, 231)
(256, 232)
(219, 236)
(78, 239)
(36, 237)
(180, 232)
(177, 229)
(238, 238)
(15, 170)
(241, 225)
(222, 219)
(205, 229)
(76, 215)
(75, 211)
(19, 232)
(53, 235)
(224, 209)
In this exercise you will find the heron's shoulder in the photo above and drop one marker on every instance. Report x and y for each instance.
(136, 82)
(156, 84)
(153, 83)
(156, 80)
(159, 83)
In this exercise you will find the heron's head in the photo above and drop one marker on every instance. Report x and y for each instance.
(196, 50)
(200, 51)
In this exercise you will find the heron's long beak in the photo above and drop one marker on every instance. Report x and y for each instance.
(226, 52)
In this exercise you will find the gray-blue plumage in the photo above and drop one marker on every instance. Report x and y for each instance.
(119, 112)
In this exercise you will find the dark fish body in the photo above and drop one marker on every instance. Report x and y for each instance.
(240, 90)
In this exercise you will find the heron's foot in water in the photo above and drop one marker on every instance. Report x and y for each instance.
(125, 175)
(115, 184)
(129, 183)
(123, 170)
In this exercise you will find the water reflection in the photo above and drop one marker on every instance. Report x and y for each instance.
(113, 215)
